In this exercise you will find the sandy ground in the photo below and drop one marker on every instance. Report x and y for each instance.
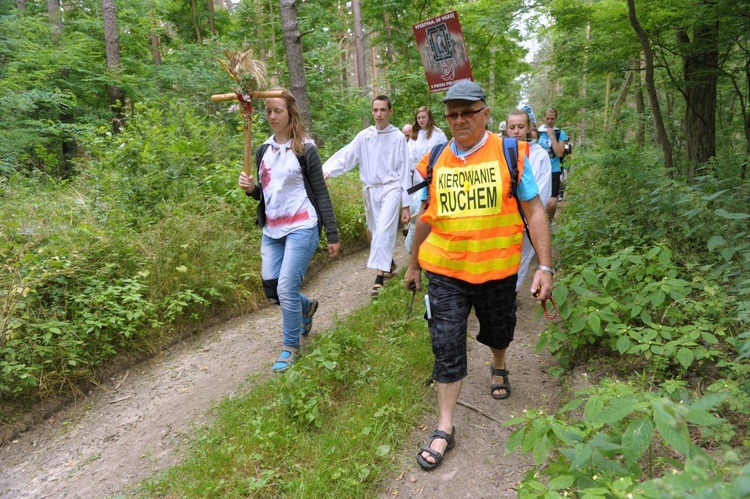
(137, 422)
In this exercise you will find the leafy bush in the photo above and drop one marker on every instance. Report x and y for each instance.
(622, 441)
(637, 302)
(655, 271)
(152, 236)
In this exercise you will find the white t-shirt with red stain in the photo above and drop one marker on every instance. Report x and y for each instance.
(287, 206)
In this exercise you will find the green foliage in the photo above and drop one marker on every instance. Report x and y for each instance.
(342, 406)
(655, 275)
(636, 303)
(605, 443)
(151, 236)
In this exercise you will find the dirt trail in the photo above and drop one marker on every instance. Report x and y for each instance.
(136, 424)
(477, 467)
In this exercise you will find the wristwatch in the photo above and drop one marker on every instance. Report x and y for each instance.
(547, 269)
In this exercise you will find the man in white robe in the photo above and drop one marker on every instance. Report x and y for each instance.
(382, 155)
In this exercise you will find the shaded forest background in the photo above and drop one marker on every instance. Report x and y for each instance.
(122, 225)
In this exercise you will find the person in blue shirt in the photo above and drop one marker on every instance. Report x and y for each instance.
(553, 140)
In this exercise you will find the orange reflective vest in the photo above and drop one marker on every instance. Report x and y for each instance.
(477, 230)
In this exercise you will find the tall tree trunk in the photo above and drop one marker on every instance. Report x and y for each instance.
(112, 41)
(359, 44)
(582, 135)
(210, 11)
(196, 25)
(745, 117)
(345, 49)
(640, 107)
(294, 59)
(375, 74)
(21, 4)
(607, 94)
(155, 46)
(622, 96)
(54, 13)
(264, 53)
(388, 43)
(648, 55)
(700, 64)
(272, 51)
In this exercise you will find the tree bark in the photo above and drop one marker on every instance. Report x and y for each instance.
(621, 96)
(294, 59)
(210, 11)
(388, 43)
(196, 25)
(700, 68)
(607, 94)
(648, 56)
(21, 4)
(346, 50)
(584, 86)
(112, 42)
(640, 108)
(374, 71)
(54, 13)
(359, 43)
(155, 46)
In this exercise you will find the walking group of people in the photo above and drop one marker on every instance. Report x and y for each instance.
(466, 227)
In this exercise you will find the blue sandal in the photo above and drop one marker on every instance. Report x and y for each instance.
(285, 360)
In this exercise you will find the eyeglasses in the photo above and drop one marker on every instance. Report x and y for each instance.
(465, 114)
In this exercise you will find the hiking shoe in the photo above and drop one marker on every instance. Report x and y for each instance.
(307, 317)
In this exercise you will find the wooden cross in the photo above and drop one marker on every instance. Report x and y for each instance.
(249, 74)
(248, 126)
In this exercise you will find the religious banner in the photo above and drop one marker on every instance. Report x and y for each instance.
(443, 51)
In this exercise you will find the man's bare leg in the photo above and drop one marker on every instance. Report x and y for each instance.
(447, 399)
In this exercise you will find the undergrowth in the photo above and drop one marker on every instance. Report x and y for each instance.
(655, 277)
(152, 237)
(330, 423)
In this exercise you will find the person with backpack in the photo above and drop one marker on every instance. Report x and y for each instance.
(468, 240)
(424, 136)
(294, 205)
(519, 126)
(553, 140)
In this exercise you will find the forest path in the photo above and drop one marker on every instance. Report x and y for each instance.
(137, 423)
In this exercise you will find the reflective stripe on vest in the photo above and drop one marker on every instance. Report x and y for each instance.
(476, 228)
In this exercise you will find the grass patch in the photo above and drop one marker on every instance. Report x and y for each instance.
(331, 425)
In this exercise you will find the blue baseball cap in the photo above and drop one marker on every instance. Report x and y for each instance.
(465, 90)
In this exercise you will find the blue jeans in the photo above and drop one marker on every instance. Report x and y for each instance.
(286, 259)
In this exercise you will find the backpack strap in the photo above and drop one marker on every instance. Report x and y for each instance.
(510, 150)
(437, 150)
(259, 152)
